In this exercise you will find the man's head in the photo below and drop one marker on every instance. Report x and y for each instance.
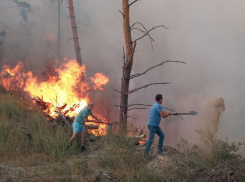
(90, 105)
(159, 98)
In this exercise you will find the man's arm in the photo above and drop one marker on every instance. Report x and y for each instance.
(99, 121)
(165, 114)
(87, 120)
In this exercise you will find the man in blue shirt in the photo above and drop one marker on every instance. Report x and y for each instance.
(78, 124)
(153, 125)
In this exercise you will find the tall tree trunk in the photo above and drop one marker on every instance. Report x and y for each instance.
(59, 57)
(74, 32)
(127, 66)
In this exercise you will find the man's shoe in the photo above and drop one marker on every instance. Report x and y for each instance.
(83, 149)
(162, 153)
(68, 147)
(145, 159)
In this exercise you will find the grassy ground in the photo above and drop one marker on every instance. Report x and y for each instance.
(33, 150)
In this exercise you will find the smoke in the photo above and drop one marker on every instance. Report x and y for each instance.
(207, 35)
(211, 115)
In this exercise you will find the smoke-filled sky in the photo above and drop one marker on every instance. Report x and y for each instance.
(206, 34)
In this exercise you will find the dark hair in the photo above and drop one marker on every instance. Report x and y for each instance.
(158, 97)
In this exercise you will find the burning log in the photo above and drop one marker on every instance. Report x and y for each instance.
(92, 127)
(60, 113)
(62, 117)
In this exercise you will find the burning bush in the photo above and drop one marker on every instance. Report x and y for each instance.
(63, 92)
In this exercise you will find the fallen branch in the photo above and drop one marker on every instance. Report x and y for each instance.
(111, 177)
(92, 127)
(137, 136)
(145, 86)
(168, 61)
(63, 117)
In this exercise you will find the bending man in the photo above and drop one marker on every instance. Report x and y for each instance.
(78, 124)
(153, 125)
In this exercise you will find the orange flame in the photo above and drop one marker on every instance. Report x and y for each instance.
(50, 37)
(99, 81)
(62, 89)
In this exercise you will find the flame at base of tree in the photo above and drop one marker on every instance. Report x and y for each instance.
(62, 89)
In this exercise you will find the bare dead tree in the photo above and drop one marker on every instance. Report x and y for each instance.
(128, 60)
(74, 32)
(59, 57)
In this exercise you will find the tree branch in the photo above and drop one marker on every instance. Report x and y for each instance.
(149, 32)
(117, 91)
(63, 117)
(145, 86)
(168, 61)
(152, 40)
(136, 108)
(121, 13)
(131, 117)
(143, 32)
(133, 3)
(148, 105)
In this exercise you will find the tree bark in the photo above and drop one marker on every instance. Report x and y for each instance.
(59, 57)
(74, 32)
(129, 63)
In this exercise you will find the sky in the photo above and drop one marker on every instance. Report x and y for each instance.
(208, 35)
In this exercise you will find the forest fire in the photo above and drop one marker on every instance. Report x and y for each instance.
(50, 37)
(62, 91)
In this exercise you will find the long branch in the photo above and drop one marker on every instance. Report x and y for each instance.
(148, 105)
(136, 108)
(143, 32)
(143, 28)
(149, 32)
(168, 61)
(151, 39)
(145, 86)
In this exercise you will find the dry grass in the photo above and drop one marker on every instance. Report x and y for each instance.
(43, 148)
(24, 131)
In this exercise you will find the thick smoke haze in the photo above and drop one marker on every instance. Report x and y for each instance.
(206, 34)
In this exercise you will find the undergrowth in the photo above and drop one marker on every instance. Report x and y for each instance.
(26, 135)
(25, 131)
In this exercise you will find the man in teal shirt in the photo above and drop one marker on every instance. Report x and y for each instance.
(78, 124)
